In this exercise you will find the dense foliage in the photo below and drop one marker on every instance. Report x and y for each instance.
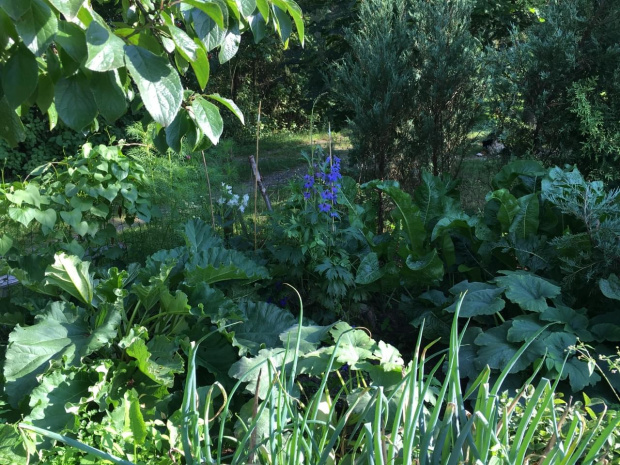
(412, 82)
(151, 313)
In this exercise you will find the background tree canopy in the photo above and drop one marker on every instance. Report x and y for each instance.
(75, 64)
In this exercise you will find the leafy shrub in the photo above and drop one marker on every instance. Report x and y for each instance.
(556, 86)
(413, 83)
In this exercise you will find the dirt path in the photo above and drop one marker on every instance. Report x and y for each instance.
(279, 178)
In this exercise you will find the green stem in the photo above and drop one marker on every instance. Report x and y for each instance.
(133, 316)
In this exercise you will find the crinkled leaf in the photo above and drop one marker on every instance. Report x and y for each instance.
(525, 326)
(510, 173)
(158, 83)
(134, 421)
(261, 328)
(60, 333)
(406, 211)
(150, 294)
(158, 359)
(496, 351)
(579, 374)
(527, 290)
(70, 274)
(525, 223)
(200, 236)
(48, 399)
(355, 346)
(368, 271)
(480, 299)
(426, 269)
(12, 451)
(251, 369)
(217, 264)
(311, 337)
(501, 207)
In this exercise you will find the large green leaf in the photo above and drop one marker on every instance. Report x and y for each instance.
(72, 39)
(29, 194)
(262, 325)
(158, 359)
(217, 264)
(69, 8)
(368, 271)
(158, 83)
(496, 351)
(201, 66)
(6, 242)
(37, 27)
(15, 9)
(207, 30)
(184, 43)
(480, 299)
(177, 129)
(134, 421)
(427, 197)
(250, 370)
(11, 127)
(232, 106)
(610, 287)
(109, 95)
(510, 173)
(208, 119)
(527, 290)
(525, 223)
(501, 207)
(20, 75)
(61, 333)
(406, 211)
(217, 12)
(355, 344)
(426, 269)
(200, 236)
(70, 274)
(22, 215)
(246, 7)
(50, 398)
(12, 450)
(311, 337)
(150, 294)
(230, 44)
(75, 101)
(106, 51)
